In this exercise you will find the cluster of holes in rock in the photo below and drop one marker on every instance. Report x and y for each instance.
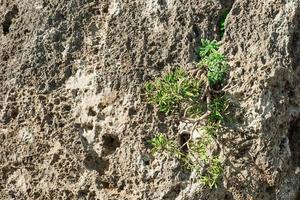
(111, 142)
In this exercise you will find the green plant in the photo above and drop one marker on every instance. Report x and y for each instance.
(214, 61)
(149, 87)
(217, 68)
(173, 90)
(200, 146)
(198, 150)
(211, 129)
(179, 91)
(223, 22)
(196, 110)
(208, 47)
(218, 108)
(213, 173)
(161, 143)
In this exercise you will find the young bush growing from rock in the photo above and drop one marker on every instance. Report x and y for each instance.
(178, 91)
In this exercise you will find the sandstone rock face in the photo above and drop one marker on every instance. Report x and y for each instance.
(74, 121)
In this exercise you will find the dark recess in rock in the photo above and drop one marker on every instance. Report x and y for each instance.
(92, 161)
(110, 143)
(294, 140)
(8, 19)
(183, 139)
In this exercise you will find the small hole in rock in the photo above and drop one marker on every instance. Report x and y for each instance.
(93, 162)
(82, 193)
(5, 57)
(26, 31)
(228, 196)
(263, 60)
(96, 51)
(8, 19)
(105, 184)
(101, 106)
(110, 142)
(162, 127)
(132, 111)
(88, 126)
(294, 140)
(105, 9)
(147, 162)
(57, 101)
(270, 190)
(298, 194)
(14, 112)
(183, 139)
(42, 98)
(173, 192)
(196, 31)
(91, 112)
(66, 108)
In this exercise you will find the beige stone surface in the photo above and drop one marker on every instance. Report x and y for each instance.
(74, 122)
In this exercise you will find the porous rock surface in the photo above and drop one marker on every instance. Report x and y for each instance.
(74, 121)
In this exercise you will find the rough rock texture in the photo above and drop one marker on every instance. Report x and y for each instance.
(74, 121)
(262, 42)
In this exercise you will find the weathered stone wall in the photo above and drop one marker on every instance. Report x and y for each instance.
(74, 121)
